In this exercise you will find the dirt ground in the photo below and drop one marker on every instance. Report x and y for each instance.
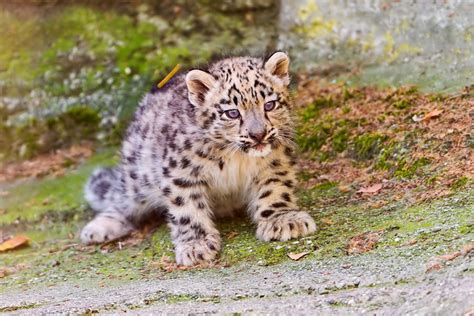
(393, 281)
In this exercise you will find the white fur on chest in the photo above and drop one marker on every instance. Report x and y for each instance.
(231, 186)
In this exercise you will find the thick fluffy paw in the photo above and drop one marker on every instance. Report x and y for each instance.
(198, 251)
(285, 226)
(102, 229)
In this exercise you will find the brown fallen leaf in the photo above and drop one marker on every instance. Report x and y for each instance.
(232, 235)
(467, 249)
(363, 242)
(344, 188)
(327, 221)
(438, 262)
(377, 204)
(372, 189)
(3, 272)
(14, 243)
(432, 114)
(297, 256)
(411, 242)
(434, 266)
(450, 256)
(464, 251)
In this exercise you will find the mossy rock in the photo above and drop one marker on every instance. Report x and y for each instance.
(367, 146)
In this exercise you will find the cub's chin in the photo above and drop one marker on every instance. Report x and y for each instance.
(260, 150)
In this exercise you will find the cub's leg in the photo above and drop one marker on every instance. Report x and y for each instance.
(111, 206)
(195, 238)
(274, 207)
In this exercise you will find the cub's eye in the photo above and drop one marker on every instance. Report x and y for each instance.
(269, 106)
(232, 114)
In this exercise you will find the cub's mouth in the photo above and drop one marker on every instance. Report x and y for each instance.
(259, 150)
(260, 146)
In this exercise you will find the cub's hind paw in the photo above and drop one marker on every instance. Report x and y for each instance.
(104, 228)
(198, 251)
(286, 225)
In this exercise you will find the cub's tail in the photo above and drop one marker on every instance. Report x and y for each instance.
(100, 187)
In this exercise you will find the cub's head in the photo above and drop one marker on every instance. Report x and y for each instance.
(243, 103)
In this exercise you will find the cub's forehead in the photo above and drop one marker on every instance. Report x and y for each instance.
(239, 70)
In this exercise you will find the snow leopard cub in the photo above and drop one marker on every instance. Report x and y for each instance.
(209, 144)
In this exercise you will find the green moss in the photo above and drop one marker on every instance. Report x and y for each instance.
(347, 94)
(320, 192)
(384, 160)
(245, 246)
(305, 175)
(308, 113)
(311, 137)
(367, 146)
(333, 134)
(431, 180)
(77, 123)
(436, 97)
(395, 157)
(409, 170)
(470, 141)
(402, 104)
(340, 140)
(324, 102)
(408, 90)
(460, 183)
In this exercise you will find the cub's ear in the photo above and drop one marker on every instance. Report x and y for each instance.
(199, 83)
(277, 65)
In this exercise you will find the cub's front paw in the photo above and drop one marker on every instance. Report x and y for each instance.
(286, 225)
(102, 229)
(198, 251)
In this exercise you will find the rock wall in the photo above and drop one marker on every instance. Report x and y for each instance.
(429, 43)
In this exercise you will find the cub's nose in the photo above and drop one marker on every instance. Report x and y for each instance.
(258, 137)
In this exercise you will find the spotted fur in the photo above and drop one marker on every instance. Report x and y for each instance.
(185, 155)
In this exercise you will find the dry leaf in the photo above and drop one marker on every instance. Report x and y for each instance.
(378, 204)
(327, 221)
(432, 114)
(467, 249)
(363, 242)
(434, 266)
(372, 189)
(297, 256)
(439, 261)
(411, 242)
(450, 256)
(13, 243)
(344, 188)
(231, 235)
